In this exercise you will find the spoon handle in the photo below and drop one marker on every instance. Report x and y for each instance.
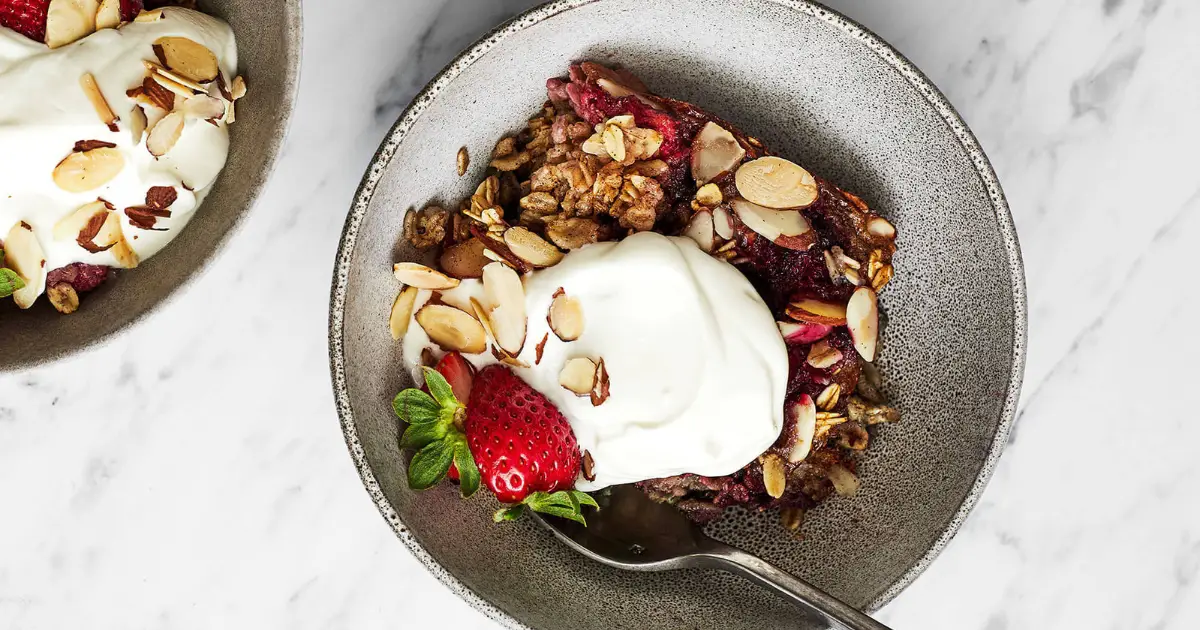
(837, 614)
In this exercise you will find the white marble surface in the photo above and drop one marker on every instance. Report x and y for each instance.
(192, 475)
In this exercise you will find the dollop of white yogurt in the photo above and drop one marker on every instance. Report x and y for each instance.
(44, 112)
(698, 369)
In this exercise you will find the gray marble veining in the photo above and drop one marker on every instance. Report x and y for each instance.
(191, 474)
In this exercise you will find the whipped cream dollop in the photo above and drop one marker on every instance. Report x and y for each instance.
(44, 112)
(697, 367)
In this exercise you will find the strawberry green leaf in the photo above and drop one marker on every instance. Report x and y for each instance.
(508, 514)
(468, 472)
(10, 282)
(584, 498)
(561, 512)
(440, 388)
(419, 436)
(416, 407)
(429, 465)
(562, 504)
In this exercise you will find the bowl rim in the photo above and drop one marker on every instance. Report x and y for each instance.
(414, 111)
(291, 78)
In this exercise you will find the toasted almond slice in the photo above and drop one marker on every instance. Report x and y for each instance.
(700, 229)
(785, 228)
(23, 254)
(63, 298)
(565, 317)
(99, 103)
(508, 359)
(452, 329)
(722, 223)
(155, 68)
(203, 107)
(165, 134)
(845, 482)
(106, 236)
(238, 89)
(82, 171)
(125, 256)
(189, 58)
(402, 311)
(504, 297)
(862, 318)
(462, 160)
(174, 86)
(465, 260)
(600, 390)
(69, 227)
(614, 142)
(615, 90)
(422, 277)
(879, 226)
(714, 151)
(70, 20)
(803, 332)
(137, 123)
(539, 349)
(774, 182)
(531, 248)
(230, 113)
(578, 376)
(822, 355)
(109, 14)
(149, 16)
(804, 414)
(817, 312)
(774, 475)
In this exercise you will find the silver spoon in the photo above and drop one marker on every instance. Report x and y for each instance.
(634, 533)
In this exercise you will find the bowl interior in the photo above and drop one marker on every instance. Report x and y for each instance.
(268, 37)
(821, 92)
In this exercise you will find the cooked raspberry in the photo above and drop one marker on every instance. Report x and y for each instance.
(82, 277)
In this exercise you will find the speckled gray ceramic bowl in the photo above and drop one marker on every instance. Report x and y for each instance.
(820, 90)
(269, 35)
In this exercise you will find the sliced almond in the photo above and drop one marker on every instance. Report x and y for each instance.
(785, 228)
(774, 475)
(238, 89)
(862, 318)
(99, 103)
(714, 151)
(817, 312)
(504, 297)
(804, 412)
(82, 171)
(565, 317)
(462, 159)
(803, 332)
(578, 376)
(540, 349)
(124, 255)
(69, 227)
(109, 14)
(700, 229)
(23, 254)
(175, 87)
(508, 359)
(614, 89)
(452, 329)
(63, 298)
(600, 390)
(722, 223)
(845, 482)
(137, 123)
(822, 355)
(203, 107)
(155, 68)
(531, 248)
(465, 260)
(165, 134)
(189, 58)
(70, 20)
(149, 16)
(101, 233)
(880, 227)
(402, 311)
(614, 142)
(774, 182)
(828, 398)
(422, 277)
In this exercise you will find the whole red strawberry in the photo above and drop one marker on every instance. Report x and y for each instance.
(27, 17)
(509, 437)
(520, 441)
